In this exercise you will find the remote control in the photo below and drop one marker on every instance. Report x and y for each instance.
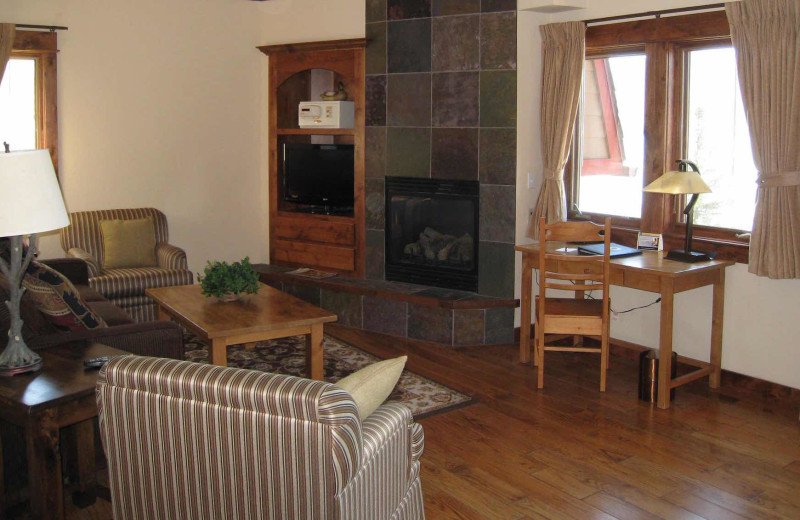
(96, 362)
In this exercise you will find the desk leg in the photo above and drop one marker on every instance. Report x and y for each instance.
(219, 352)
(665, 342)
(314, 353)
(525, 310)
(717, 313)
(44, 466)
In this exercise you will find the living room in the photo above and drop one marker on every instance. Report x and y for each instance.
(163, 104)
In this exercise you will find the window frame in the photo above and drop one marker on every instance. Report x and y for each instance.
(43, 48)
(666, 42)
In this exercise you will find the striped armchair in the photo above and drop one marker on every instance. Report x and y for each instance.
(125, 287)
(188, 440)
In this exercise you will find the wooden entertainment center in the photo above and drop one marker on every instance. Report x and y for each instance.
(299, 72)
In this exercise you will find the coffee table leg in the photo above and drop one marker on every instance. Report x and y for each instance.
(44, 466)
(219, 352)
(314, 353)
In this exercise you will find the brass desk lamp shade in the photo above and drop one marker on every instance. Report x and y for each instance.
(683, 182)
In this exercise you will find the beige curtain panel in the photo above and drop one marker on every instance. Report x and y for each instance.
(563, 53)
(7, 32)
(765, 35)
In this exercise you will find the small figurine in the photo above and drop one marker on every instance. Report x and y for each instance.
(335, 95)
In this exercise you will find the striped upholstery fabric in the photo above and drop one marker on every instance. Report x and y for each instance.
(186, 440)
(82, 239)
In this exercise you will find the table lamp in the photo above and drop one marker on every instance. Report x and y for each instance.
(683, 182)
(32, 203)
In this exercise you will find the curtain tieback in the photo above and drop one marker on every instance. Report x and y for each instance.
(553, 175)
(780, 179)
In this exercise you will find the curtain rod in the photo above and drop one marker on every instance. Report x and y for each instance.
(657, 14)
(51, 28)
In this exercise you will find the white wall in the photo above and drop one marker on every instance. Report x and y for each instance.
(761, 315)
(163, 103)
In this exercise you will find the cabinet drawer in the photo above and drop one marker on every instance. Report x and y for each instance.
(324, 231)
(314, 255)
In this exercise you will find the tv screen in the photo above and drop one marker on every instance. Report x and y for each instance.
(318, 174)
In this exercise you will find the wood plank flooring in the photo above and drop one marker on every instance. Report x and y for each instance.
(569, 451)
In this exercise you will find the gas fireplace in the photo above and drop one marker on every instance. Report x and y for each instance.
(432, 232)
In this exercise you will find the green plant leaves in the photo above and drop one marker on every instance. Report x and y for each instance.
(220, 278)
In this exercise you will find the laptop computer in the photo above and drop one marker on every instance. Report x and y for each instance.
(617, 250)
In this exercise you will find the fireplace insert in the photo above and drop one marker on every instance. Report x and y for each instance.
(432, 232)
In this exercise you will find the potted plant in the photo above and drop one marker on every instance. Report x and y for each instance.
(228, 281)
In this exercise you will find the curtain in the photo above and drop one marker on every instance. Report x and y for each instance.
(765, 36)
(7, 31)
(563, 54)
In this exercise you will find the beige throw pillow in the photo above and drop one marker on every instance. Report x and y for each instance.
(371, 385)
(128, 243)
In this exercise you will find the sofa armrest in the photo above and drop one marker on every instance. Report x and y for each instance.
(75, 269)
(171, 257)
(388, 466)
(156, 339)
(92, 262)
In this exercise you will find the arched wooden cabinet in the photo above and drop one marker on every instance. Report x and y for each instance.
(299, 72)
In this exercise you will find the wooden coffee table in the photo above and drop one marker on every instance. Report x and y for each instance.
(269, 314)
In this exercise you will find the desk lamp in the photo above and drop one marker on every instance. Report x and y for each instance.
(683, 182)
(32, 203)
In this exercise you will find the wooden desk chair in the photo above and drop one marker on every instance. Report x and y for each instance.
(578, 316)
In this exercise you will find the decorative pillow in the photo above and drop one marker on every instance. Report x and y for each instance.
(128, 243)
(371, 385)
(58, 300)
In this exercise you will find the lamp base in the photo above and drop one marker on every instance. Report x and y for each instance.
(692, 256)
(8, 371)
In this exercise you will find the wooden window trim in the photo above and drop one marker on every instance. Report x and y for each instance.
(43, 47)
(665, 41)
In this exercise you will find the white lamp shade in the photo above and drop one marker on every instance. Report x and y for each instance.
(31, 198)
(678, 183)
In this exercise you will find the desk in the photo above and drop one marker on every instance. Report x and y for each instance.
(60, 394)
(649, 272)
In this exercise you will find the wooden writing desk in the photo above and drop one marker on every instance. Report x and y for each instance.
(652, 273)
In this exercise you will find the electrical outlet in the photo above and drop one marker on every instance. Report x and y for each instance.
(614, 316)
(531, 180)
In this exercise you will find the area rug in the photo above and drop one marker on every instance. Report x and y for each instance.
(421, 395)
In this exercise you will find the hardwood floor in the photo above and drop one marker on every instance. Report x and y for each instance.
(568, 451)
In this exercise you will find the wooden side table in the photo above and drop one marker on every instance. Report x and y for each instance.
(60, 394)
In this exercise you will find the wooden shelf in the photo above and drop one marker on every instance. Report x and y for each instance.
(315, 131)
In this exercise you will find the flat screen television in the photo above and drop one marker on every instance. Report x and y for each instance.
(320, 175)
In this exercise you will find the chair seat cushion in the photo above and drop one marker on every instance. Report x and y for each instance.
(58, 300)
(90, 295)
(110, 313)
(133, 281)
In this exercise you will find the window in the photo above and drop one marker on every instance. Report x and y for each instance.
(28, 115)
(612, 140)
(674, 80)
(718, 140)
(18, 104)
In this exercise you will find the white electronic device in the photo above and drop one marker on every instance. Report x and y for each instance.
(326, 114)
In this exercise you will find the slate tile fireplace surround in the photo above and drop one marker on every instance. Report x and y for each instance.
(441, 105)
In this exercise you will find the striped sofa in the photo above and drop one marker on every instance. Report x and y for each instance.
(125, 287)
(188, 440)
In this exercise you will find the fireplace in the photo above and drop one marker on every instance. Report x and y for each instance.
(432, 232)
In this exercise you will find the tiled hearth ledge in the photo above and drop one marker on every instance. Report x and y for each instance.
(451, 318)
